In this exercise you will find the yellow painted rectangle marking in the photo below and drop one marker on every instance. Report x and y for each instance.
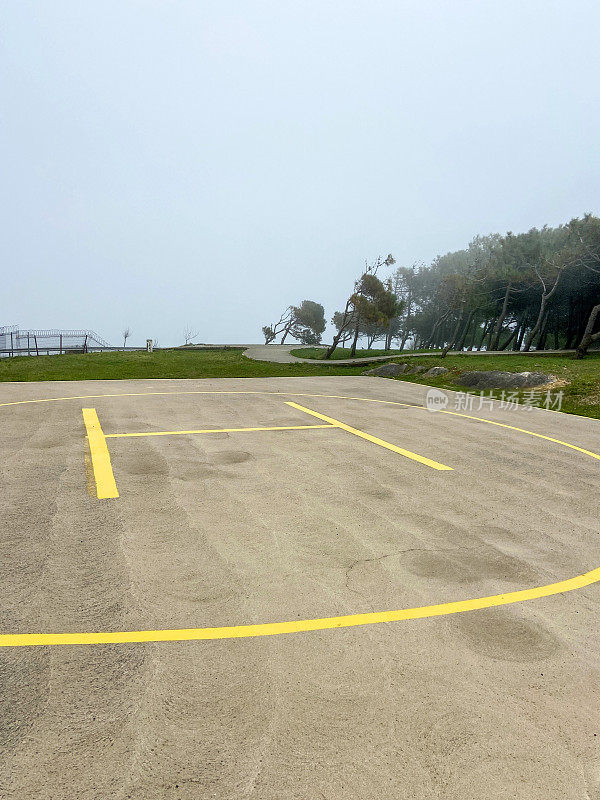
(103, 474)
(407, 453)
(215, 430)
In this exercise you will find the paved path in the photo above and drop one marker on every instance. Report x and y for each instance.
(317, 509)
(281, 354)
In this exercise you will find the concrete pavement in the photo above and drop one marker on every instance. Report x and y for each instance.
(281, 354)
(295, 523)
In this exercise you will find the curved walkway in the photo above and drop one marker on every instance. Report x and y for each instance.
(281, 354)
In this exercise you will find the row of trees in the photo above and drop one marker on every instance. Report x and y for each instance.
(539, 289)
(370, 308)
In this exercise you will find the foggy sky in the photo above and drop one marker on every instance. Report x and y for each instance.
(208, 163)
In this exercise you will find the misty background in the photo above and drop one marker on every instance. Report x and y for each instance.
(170, 163)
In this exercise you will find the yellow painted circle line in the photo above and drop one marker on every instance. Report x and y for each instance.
(297, 626)
(274, 628)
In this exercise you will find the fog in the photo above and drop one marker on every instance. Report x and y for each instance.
(209, 163)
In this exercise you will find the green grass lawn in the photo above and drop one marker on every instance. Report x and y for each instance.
(581, 392)
(176, 363)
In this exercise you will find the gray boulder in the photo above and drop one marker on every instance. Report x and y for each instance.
(434, 372)
(418, 370)
(387, 370)
(503, 380)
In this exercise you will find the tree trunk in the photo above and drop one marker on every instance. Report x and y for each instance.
(432, 339)
(522, 323)
(388, 337)
(517, 340)
(486, 325)
(355, 340)
(465, 330)
(287, 330)
(588, 335)
(541, 343)
(489, 336)
(498, 329)
(333, 345)
(521, 336)
(450, 344)
(536, 327)
(570, 331)
(343, 331)
(510, 338)
(406, 331)
(546, 296)
(476, 328)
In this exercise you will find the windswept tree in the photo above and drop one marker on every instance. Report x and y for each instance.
(403, 287)
(372, 303)
(126, 334)
(342, 324)
(590, 334)
(518, 291)
(305, 322)
(528, 290)
(506, 273)
(344, 321)
(585, 250)
(283, 325)
(309, 322)
(548, 268)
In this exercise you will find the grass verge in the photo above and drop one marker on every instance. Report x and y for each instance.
(176, 363)
(343, 352)
(581, 391)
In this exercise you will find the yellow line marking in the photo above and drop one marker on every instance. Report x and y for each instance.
(216, 430)
(337, 424)
(307, 394)
(191, 391)
(297, 626)
(270, 629)
(103, 474)
(522, 430)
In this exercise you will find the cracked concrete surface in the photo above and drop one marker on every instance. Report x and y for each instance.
(376, 558)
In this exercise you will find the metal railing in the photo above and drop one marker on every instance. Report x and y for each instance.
(49, 341)
(43, 350)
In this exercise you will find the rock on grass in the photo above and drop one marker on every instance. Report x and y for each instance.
(387, 370)
(503, 380)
